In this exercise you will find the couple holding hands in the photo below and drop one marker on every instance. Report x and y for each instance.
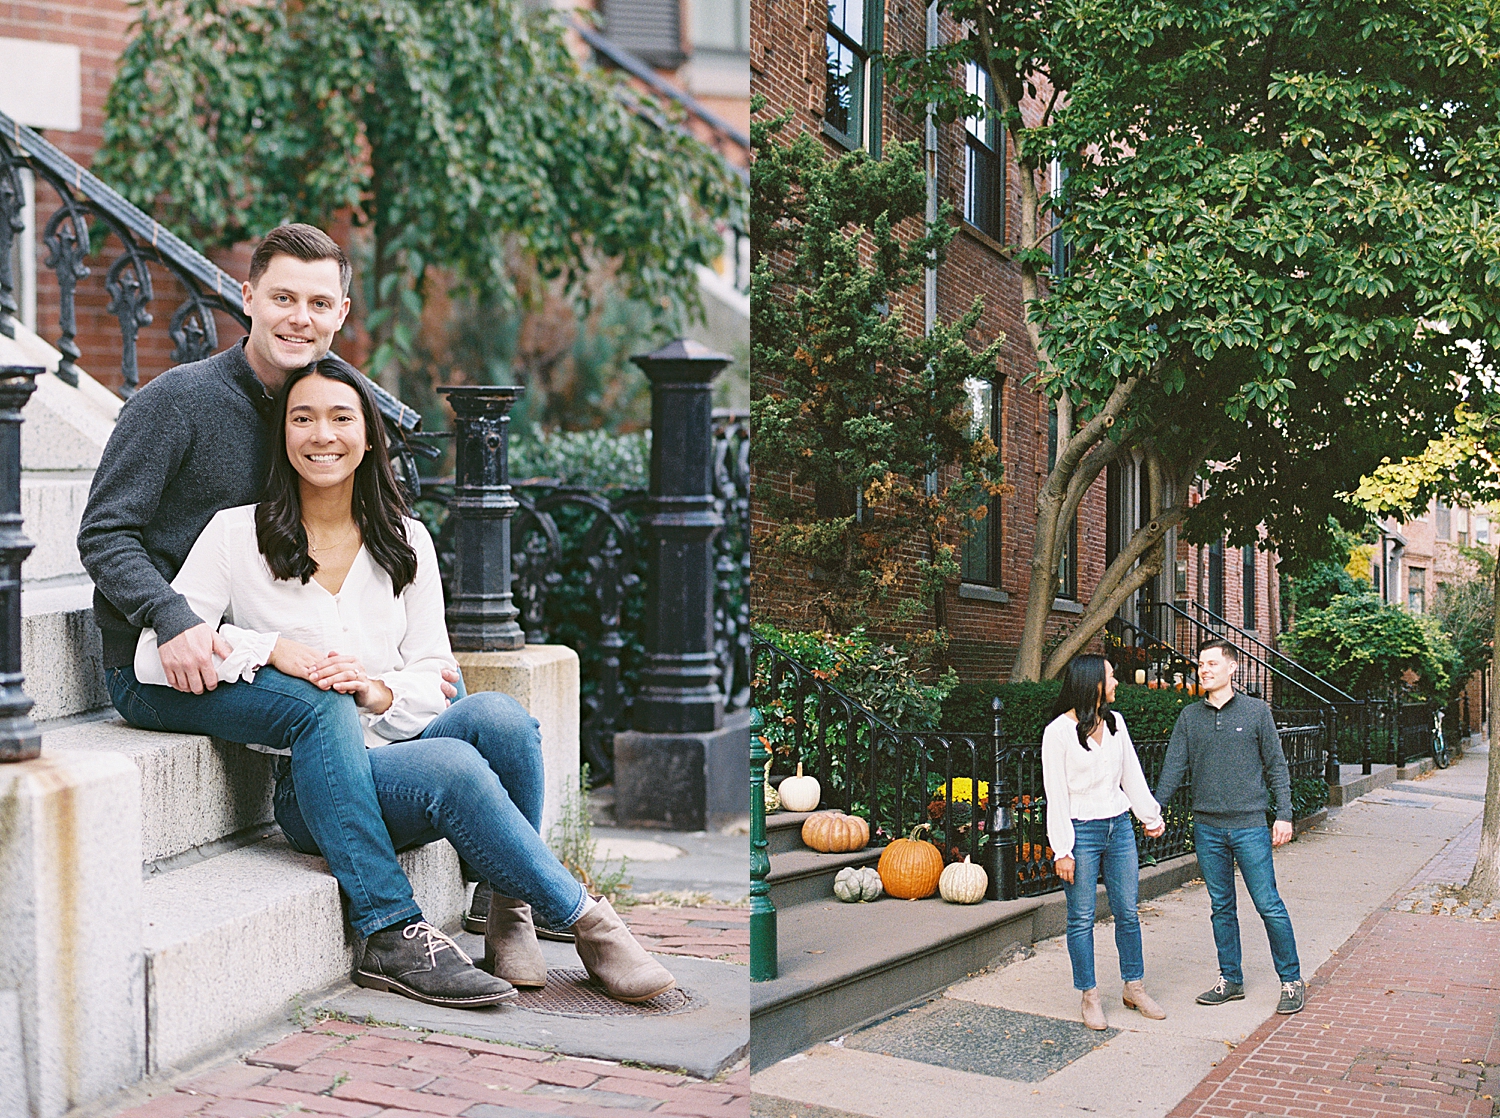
(258, 577)
(1229, 743)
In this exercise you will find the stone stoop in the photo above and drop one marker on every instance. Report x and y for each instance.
(236, 926)
(240, 939)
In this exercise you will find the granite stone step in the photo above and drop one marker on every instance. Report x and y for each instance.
(195, 790)
(237, 941)
(60, 649)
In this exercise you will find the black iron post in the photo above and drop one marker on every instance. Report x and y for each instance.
(20, 740)
(1000, 864)
(482, 617)
(679, 691)
(1331, 729)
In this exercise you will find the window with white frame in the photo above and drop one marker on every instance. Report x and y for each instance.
(984, 158)
(851, 98)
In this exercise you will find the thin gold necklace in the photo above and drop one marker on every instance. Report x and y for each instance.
(313, 548)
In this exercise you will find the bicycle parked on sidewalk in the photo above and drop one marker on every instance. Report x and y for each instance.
(1440, 753)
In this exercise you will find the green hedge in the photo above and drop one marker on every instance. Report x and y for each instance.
(1149, 713)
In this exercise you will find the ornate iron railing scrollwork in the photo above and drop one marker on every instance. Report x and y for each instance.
(732, 556)
(83, 199)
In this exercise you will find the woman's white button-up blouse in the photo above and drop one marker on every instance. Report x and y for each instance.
(1094, 783)
(400, 640)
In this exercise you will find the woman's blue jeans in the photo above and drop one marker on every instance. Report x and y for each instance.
(1107, 845)
(329, 763)
(475, 778)
(1218, 850)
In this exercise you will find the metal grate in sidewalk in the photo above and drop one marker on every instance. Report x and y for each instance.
(571, 993)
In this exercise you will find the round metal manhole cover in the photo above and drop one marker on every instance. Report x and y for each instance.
(571, 993)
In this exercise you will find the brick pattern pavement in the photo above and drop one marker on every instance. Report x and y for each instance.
(1402, 1020)
(356, 1071)
(703, 931)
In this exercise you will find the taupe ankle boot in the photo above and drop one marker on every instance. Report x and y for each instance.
(1136, 998)
(510, 949)
(614, 959)
(1093, 1010)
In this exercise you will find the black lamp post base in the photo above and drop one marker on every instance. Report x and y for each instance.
(682, 782)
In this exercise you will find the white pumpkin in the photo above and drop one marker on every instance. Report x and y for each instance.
(800, 793)
(857, 883)
(963, 883)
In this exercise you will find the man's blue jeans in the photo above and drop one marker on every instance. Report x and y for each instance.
(330, 765)
(1218, 850)
(475, 778)
(1107, 845)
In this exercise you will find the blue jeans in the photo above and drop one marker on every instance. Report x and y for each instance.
(329, 763)
(1107, 844)
(1218, 851)
(475, 778)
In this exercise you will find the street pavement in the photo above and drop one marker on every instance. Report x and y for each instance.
(1007, 1043)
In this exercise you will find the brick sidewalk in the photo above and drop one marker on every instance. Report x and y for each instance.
(354, 1071)
(1401, 1021)
(703, 931)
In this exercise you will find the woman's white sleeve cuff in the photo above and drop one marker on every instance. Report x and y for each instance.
(252, 651)
(416, 699)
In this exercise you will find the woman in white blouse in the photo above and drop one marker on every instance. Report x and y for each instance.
(1093, 781)
(327, 580)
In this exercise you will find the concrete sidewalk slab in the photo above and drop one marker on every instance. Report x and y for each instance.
(705, 862)
(1331, 878)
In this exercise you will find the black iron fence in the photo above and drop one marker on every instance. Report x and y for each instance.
(984, 798)
(579, 566)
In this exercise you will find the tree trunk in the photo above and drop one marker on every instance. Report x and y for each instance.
(1484, 882)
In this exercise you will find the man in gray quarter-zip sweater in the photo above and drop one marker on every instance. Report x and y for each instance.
(190, 443)
(1229, 743)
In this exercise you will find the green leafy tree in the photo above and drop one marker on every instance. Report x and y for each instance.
(1462, 467)
(462, 133)
(868, 418)
(1265, 202)
(1364, 646)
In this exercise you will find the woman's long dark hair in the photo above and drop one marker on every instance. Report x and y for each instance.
(1083, 694)
(378, 502)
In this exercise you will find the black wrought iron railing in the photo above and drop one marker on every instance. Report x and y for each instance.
(137, 241)
(983, 797)
(579, 568)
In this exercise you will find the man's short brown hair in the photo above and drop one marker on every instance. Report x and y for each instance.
(1229, 651)
(304, 242)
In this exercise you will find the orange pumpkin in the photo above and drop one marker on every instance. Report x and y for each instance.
(909, 868)
(833, 832)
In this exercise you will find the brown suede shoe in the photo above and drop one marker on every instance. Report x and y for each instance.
(510, 950)
(1093, 1010)
(1136, 998)
(615, 960)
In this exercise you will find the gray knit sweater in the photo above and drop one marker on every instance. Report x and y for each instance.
(191, 442)
(1234, 755)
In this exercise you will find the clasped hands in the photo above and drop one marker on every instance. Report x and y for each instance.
(187, 660)
(336, 671)
(1065, 867)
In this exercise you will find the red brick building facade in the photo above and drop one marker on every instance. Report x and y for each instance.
(795, 46)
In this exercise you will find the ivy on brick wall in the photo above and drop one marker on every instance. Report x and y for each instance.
(866, 417)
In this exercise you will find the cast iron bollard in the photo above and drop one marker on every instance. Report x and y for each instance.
(679, 690)
(20, 740)
(762, 911)
(1001, 861)
(482, 617)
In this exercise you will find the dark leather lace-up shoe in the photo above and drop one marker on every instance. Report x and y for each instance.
(1222, 991)
(1293, 998)
(420, 962)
